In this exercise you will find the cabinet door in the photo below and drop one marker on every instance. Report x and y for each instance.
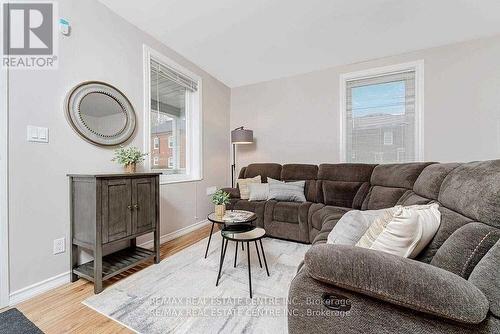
(116, 209)
(144, 204)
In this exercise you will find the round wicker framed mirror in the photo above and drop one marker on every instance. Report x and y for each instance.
(100, 113)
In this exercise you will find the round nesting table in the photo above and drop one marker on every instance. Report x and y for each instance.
(242, 233)
(232, 217)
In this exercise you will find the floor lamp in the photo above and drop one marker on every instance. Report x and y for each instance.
(239, 136)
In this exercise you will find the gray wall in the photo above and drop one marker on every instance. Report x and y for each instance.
(296, 119)
(103, 47)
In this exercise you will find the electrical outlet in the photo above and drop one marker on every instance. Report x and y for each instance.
(59, 246)
(211, 190)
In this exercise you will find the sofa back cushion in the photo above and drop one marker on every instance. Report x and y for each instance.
(429, 181)
(389, 182)
(473, 190)
(469, 192)
(302, 172)
(462, 251)
(343, 185)
(265, 170)
(486, 277)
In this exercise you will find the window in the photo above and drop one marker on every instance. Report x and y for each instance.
(173, 116)
(381, 116)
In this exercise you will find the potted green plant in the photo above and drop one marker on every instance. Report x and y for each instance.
(129, 157)
(220, 198)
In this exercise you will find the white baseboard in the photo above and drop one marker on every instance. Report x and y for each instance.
(33, 290)
(172, 235)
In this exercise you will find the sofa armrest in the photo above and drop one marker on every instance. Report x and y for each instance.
(233, 192)
(400, 281)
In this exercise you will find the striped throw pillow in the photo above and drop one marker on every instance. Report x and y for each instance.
(243, 185)
(286, 191)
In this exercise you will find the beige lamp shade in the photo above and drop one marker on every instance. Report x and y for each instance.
(241, 136)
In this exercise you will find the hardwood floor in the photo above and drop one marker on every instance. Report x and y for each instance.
(61, 310)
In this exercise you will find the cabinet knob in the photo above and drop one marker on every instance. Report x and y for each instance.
(129, 207)
(136, 206)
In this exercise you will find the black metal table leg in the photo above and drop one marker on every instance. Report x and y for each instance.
(209, 238)
(235, 253)
(264, 256)
(249, 270)
(257, 249)
(222, 255)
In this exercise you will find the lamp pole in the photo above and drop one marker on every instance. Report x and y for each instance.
(239, 135)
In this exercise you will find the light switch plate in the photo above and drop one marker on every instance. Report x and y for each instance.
(211, 190)
(59, 246)
(37, 134)
(32, 133)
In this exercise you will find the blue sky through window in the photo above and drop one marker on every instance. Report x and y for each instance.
(379, 99)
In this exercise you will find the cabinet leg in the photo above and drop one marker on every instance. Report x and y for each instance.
(98, 286)
(98, 270)
(157, 246)
(74, 262)
(133, 242)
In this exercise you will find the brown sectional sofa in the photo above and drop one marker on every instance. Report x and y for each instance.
(452, 287)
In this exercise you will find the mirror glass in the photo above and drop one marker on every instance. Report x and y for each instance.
(102, 114)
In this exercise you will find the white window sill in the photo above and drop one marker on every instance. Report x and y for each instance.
(169, 179)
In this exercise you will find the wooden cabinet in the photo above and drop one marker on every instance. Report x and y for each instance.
(108, 209)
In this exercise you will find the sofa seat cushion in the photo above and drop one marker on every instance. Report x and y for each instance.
(287, 212)
(287, 220)
(462, 251)
(324, 220)
(327, 213)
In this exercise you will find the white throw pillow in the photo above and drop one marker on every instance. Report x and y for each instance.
(406, 234)
(353, 224)
(258, 191)
(286, 191)
(243, 185)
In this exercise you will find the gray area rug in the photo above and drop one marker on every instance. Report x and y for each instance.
(179, 294)
(13, 321)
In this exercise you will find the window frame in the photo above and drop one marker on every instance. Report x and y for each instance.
(194, 120)
(418, 67)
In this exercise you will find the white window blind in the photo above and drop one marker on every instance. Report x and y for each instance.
(169, 73)
(380, 124)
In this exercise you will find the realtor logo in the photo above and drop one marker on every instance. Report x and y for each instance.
(29, 35)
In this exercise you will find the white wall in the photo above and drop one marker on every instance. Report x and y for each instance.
(296, 119)
(102, 47)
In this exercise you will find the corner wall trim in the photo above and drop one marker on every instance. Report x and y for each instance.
(33, 290)
(180, 232)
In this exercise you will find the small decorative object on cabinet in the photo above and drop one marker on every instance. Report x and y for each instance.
(129, 157)
(108, 209)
